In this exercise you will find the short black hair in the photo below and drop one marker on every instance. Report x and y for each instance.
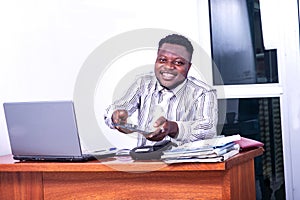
(179, 40)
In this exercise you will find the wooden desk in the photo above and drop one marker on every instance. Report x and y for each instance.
(233, 179)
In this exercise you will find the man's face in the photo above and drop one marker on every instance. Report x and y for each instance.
(172, 65)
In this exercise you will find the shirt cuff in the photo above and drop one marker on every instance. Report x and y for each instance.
(183, 132)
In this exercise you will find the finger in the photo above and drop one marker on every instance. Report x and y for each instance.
(123, 114)
(115, 117)
(157, 137)
(159, 121)
(162, 129)
(126, 131)
(153, 134)
(120, 116)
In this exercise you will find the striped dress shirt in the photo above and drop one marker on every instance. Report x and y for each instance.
(192, 104)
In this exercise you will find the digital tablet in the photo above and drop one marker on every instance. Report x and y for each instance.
(132, 127)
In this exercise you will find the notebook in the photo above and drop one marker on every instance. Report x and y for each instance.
(248, 144)
(46, 131)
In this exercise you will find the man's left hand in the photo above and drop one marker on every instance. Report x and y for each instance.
(164, 128)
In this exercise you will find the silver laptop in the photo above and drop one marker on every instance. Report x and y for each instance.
(46, 131)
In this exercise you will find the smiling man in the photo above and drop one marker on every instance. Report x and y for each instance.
(170, 105)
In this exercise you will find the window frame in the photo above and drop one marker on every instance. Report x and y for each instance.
(287, 36)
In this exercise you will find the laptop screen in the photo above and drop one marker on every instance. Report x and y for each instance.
(42, 128)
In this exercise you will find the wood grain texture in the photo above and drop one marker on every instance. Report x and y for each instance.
(233, 179)
(8, 164)
(122, 185)
(19, 185)
(242, 178)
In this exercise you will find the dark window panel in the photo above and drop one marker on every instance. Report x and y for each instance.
(259, 119)
(237, 44)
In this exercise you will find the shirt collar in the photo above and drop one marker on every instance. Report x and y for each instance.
(174, 90)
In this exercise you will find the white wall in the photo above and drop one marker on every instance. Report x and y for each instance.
(44, 43)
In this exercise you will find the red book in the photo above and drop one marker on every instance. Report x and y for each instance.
(247, 144)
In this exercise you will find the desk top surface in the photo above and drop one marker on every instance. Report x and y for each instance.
(8, 164)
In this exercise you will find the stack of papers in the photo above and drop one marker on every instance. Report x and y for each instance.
(217, 149)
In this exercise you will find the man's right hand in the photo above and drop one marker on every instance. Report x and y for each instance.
(120, 117)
